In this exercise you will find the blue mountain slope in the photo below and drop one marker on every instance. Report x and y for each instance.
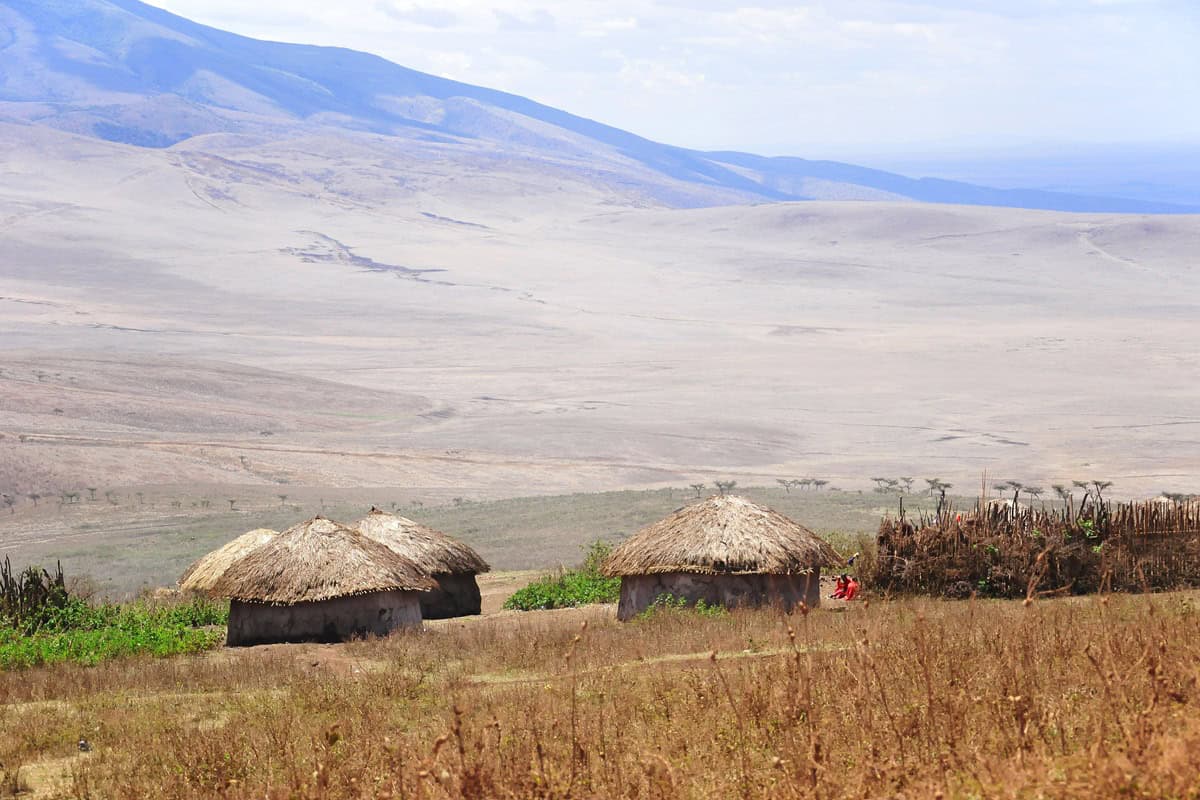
(141, 51)
(936, 190)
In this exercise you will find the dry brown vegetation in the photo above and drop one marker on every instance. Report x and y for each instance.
(1007, 551)
(1053, 698)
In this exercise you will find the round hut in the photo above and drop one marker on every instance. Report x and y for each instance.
(725, 551)
(320, 582)
(201, 575)
(452, 564)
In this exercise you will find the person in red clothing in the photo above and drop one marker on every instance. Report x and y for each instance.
(839, 588)
(851, 589)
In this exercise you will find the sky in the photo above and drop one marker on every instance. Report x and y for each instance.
(825, 79)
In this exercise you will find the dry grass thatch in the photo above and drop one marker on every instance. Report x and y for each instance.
(722, 535)
(319, 560)
(433, 551)
(205, 572)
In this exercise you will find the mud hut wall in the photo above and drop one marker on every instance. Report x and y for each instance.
(638, 592)
(456, 596)
(335, 620)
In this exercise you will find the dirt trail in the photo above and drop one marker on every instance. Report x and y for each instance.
(50, 777)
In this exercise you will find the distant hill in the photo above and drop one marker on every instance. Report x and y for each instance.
(128, 72)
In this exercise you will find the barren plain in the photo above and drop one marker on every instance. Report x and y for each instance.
(247, 317)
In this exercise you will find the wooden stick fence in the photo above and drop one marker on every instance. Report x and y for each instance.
(1005, 550)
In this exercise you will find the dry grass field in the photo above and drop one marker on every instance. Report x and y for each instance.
(1088, 697)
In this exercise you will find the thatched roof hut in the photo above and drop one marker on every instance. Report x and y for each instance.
(451, 563)
(205, 572)
(723, 550)
(320, 581)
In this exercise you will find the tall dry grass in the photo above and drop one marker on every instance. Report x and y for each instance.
(1063, 698)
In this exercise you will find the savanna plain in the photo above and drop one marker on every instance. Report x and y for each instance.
(535, 351)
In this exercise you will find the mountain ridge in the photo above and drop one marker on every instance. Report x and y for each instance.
(128, 72)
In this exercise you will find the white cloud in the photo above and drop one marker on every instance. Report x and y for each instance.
(419, 15)
(539, 20)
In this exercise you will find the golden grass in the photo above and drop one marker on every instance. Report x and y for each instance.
(1065, 698)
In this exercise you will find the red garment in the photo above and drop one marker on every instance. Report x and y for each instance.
(851, 589)
(839, 589)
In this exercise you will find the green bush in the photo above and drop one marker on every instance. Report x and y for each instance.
(57, 626)
(577, 587)
(670, 604)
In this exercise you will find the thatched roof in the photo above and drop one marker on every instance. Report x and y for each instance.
(319, 560)
(434, 551)
(722, 535)
(201, 575)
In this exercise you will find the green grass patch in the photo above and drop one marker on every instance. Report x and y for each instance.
(90, 647)
(41, 622)
(569, 588)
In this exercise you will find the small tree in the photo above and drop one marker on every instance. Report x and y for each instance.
(91, 493)
(785, 483)
(10, 501)
(232, 503)
(818, 483)
(725, 486)
(34, 496)
(907, 480)
(282, 499)
(697, 488)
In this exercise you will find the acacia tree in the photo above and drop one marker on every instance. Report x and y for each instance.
(818, 483)
(907, 480)
(34, 496)
(724, 486)
(697, 488)
(786, 484)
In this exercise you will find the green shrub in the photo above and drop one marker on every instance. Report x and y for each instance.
(670, 604)
(569, 588)
(42, 623)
